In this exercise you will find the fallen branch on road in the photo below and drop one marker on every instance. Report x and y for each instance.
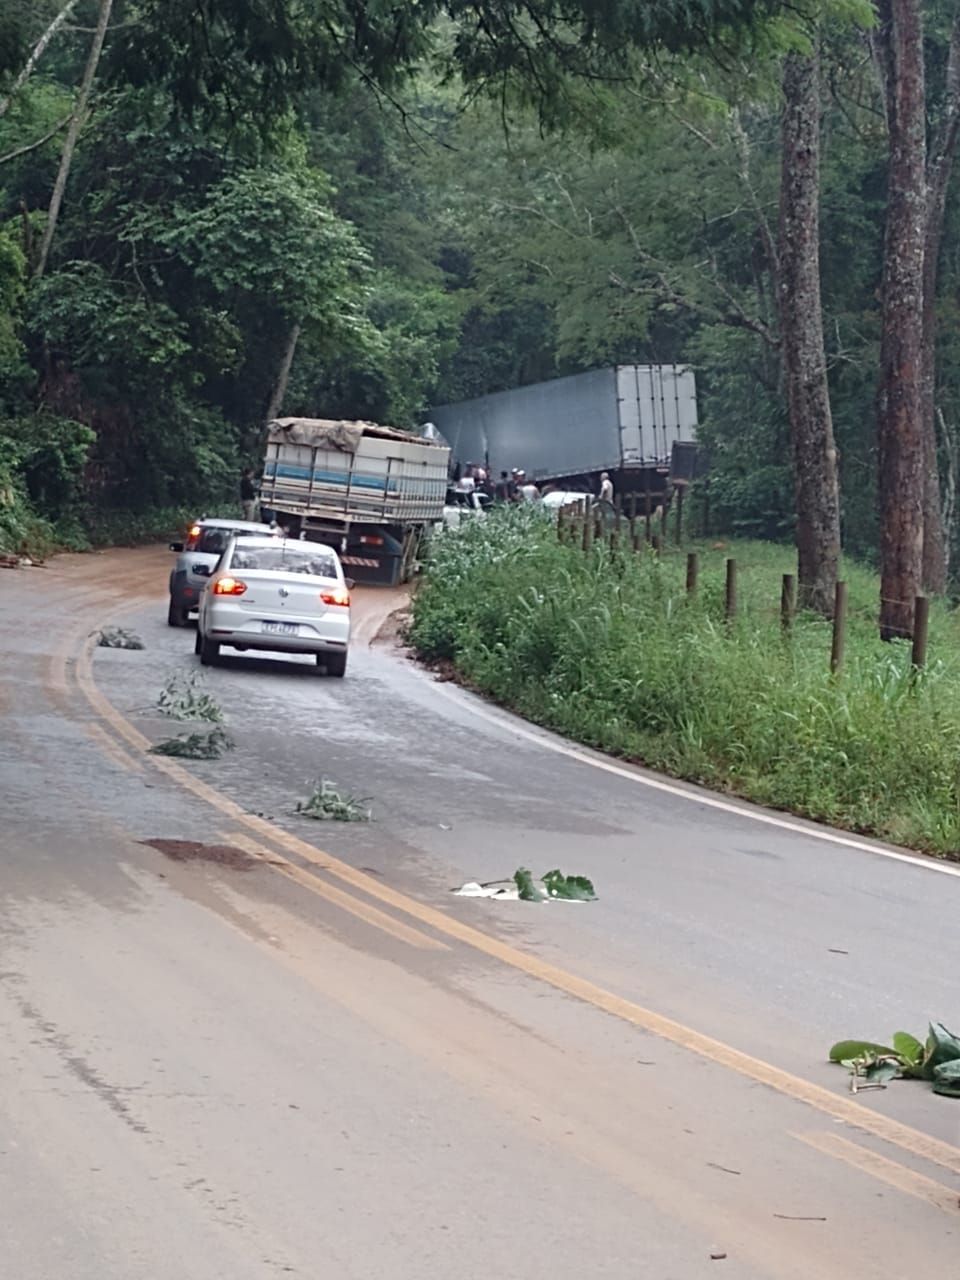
(872, 1065)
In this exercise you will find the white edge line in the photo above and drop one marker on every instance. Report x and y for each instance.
(543, 738)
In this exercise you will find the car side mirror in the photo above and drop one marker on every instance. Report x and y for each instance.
(202, 570)
(176, 546)
(349, 583)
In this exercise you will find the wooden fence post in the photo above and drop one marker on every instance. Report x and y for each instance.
(839, 626)
(731, 596)
(646, 504)
(678, 533)
(587, 531)
(921, 618)
(692, 566)
(787, 602)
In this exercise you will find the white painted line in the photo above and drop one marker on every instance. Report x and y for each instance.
(542, 738)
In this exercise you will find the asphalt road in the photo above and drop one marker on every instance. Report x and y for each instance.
(306, 1057)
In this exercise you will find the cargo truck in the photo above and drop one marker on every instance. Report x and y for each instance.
(369, 491)
(634, 421)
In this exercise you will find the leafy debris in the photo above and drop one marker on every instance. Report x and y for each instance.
(183, 699)
(118, 638)
(326, 804)
(872, 1066)
(195, 746)
(552, 886)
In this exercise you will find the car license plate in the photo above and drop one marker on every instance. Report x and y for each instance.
(279, 628)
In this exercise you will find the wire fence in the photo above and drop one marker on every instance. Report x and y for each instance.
(584, 525)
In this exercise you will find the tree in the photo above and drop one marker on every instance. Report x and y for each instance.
(900, 416)
(73, 133)
(940, 156)
(801, 331)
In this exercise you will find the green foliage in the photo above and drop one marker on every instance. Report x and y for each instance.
(610, 651)
(326, 804)
(182, 698)
(194, 746)
(118, 638)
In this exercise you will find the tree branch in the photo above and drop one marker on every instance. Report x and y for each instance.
(36, 55)
(742, 144)
(33, 146)
(73, 133)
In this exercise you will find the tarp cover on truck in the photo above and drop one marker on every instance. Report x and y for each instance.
(326, 433)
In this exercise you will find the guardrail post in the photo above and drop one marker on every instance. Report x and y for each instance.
(730, 602)
(921, 618)
(787, 599)
(692, 567)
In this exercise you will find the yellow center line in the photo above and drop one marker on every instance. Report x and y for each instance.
(888, 1171)
(838, 1106)
(355, 906)
(112, 748)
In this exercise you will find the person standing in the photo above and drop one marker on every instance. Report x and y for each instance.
(606, 488)
(528, 490)
(248, 495)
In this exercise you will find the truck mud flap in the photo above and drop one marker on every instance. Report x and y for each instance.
(379, 570)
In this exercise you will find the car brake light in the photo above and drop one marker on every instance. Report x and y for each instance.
(340, 596)
(229, 587)
(195, 531)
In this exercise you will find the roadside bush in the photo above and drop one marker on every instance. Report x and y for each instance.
(608, 649)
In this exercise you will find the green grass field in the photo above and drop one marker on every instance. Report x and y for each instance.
(610, 650)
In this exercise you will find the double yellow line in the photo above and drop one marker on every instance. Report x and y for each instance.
(261, 838)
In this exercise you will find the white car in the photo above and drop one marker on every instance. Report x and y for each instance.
(280, 595)
(556, 499)
(204, 544)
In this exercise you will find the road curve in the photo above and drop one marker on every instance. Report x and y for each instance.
(300, 1055)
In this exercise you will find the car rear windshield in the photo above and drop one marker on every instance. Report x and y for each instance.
(299, 559)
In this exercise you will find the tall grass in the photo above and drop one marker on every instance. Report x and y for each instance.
(608, 649)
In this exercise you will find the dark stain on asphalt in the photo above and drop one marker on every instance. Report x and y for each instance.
(221, 855)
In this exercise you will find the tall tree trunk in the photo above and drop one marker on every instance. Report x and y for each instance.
(73, 133)
(936, 552)
(801, 329)
(900, 406)
(283, 374)
(36, 54)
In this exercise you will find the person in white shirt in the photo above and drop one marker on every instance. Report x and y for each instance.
(606, 488)
(528, 490)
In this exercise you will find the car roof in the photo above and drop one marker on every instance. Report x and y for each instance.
(218, 522)
(261, 540)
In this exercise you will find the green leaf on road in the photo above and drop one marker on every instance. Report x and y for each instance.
(528, 891)
(570, 888)
(942, 1047)
(910, 1050)
(882, 1070)
(846, 1051)
(946, 1079)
